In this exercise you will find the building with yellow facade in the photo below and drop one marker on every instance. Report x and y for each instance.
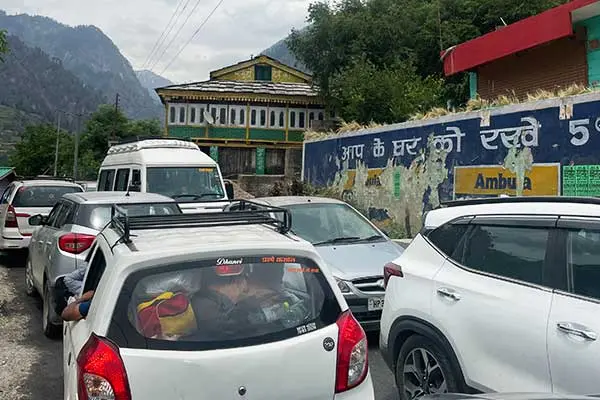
(250, 116)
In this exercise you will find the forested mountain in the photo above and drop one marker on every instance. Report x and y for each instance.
(90, 55)
(151, 81)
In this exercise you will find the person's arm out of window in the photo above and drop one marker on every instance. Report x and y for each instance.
(79, 309)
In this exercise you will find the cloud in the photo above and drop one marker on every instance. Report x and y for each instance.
(237, 30)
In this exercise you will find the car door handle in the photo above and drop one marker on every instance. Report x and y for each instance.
(48, 243)
(449, 293)
(577, 330)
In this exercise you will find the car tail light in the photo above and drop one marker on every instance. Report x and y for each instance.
(11, 218)
(390, 269)
(352, 363)
(100, 372)
(75, 243)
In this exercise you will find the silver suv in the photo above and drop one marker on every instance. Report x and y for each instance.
(63, 239)
(21, 200)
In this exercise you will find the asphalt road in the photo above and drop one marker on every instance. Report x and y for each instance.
(31, 364)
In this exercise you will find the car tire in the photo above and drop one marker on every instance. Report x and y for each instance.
(51, 330)
(30, 289)
(441, 376)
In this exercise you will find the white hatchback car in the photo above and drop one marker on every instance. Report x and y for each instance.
(497, 295)
(212, 306)
(23, 199)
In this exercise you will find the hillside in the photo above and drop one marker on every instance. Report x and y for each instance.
(12, 122)
(90, 55)
(281, 52)
(151, 81)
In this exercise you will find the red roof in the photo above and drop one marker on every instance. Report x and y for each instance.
(525, 34)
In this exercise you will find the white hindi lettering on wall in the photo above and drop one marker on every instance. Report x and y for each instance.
(408, 144)
(352, 152)
(512, 137)
(445, 142)
(378, 148)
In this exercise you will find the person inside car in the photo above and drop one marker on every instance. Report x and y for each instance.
(78, 309)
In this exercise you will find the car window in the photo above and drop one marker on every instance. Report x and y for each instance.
(512, 252)
(41, 196)
(6, 195)
(185, 184)
(223, 303)
(64, 214)
(105, 182)
(97, 216)
(54, 214)
(95, 271)
(122, 180)
(447, 237)
(322, 222)
(583, 257)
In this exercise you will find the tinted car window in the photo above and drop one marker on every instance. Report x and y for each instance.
(583, 256)
(6, 195)
(512, 252)
(105, 183)
(96, 216)
(224, 303)
(447, 237)
(41, 196)
(65, 215)
(122, 180)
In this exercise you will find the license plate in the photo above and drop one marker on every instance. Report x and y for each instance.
(375, 304)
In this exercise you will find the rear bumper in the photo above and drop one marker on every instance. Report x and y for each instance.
(364, 391)
(11, 241)
(369, 320)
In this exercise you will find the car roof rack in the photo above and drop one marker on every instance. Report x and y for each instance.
(250, 213)
(135, 139)
(520, 199)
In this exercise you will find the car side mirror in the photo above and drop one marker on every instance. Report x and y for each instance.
(37, 220)
(229, 190)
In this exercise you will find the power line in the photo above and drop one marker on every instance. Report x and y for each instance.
(168, 32)
(178, 32)
(193, 35)
(162, 35)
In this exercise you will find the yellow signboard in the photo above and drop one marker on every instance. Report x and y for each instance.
(540, 180)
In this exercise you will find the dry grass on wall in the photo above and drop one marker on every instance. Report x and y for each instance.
(472, 105)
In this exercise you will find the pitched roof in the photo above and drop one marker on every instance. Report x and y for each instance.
(247, 87)
(261, 59)
(5, 171)
(553, 24)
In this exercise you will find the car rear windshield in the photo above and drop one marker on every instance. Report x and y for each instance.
(223, 303)
(96, 216)
(41, 196)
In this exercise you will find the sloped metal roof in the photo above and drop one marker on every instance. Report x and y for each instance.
(256, 87)
(5, 171)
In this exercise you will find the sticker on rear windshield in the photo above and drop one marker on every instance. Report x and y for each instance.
(229, 261)
(303, 270)
(273, 259)
(205, 169)
(306, 328)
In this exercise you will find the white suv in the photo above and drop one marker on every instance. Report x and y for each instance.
(212, 306)
(497, 295)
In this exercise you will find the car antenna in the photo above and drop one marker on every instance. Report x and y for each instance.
(127, 194)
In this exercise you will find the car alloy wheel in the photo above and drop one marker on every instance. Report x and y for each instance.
(422, 374)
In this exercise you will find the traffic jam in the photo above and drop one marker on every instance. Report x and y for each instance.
(159, 284)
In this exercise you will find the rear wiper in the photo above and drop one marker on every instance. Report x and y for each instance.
(338, 240)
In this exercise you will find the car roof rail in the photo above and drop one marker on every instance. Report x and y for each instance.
(45, 177)
(520, 199)
(135, 139)
(249, 213)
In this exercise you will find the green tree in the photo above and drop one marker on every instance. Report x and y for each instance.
(34, 154)
(106, 123)
(145, 127)
(386, 33)
(364, 93)
(3, 44)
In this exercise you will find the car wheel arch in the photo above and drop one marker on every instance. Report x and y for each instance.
(405, 327)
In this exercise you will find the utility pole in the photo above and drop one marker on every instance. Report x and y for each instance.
(114, 135)
(57, 142)
(76, 155)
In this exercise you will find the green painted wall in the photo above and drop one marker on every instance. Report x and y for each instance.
(592, 26)
(215, 132)
(473, 84)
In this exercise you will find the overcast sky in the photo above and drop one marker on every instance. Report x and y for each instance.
(237, 30)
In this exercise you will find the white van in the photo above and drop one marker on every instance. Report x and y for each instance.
(174, 168)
